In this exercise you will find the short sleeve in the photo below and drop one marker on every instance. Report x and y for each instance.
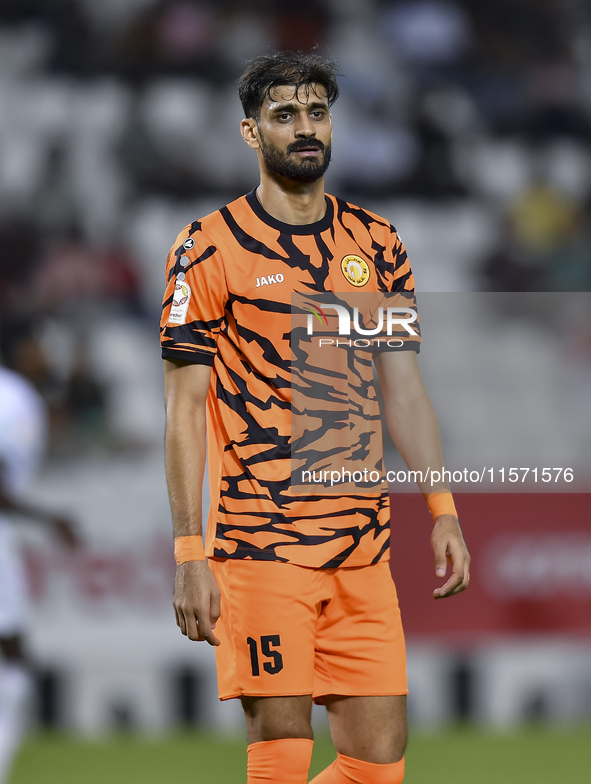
(402, 279)
(406, 331)
(193, 310)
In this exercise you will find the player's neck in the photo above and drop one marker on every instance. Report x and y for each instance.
(291, 202)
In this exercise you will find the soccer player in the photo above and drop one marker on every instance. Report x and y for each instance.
(294, 590)
(22, 441)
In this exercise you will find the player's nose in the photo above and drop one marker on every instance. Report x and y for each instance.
(305, 129)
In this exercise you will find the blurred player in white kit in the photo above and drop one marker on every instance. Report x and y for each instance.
(23, 435)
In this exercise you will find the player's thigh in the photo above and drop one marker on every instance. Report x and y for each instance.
(273, 718)
(373, 729)
(267, 628)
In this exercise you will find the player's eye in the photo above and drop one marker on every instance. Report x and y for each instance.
(284, 117)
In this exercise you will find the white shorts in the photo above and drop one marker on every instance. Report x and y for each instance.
(13, 584)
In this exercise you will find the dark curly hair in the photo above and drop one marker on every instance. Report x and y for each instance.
(301, 69)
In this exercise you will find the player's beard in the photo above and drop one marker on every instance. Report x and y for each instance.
(298, 170)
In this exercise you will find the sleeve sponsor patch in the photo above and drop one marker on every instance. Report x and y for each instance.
(180, 303)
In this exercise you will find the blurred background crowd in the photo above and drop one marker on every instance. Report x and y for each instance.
(118, 124)
(466, 122)
(119, 120)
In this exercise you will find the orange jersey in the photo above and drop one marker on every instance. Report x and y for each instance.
(230, 281)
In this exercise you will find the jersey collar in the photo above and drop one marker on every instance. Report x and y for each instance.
(291, 228)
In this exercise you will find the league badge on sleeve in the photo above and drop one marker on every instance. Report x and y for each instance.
(180, 303)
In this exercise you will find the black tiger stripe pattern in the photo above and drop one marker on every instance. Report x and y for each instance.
(231, 281)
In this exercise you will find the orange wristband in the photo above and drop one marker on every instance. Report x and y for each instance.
(188, 548)
(440, 504)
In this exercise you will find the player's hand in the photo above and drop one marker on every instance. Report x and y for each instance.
(196, 601)
(449, 546)
(66, 532)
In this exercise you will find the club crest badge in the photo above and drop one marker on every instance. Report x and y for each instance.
(356, 270)
(180, 303)
(189, 243)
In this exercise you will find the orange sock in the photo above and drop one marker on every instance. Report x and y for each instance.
(279, 761)
(346, 770)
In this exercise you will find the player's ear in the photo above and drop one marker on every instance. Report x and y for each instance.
(249, 131)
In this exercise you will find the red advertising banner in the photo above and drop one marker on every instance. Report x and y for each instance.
(530, 573)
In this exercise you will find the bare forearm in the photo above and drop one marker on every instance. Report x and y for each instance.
(185, 466)
(63, 527)
(413, 424)
(411, 418)
(196, 598)
(414, 428)
(21, 509)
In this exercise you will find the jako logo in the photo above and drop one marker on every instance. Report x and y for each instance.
(345, 320)
(267, 281)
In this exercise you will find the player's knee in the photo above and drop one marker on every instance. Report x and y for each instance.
(281, 730)
(394, 746)
(277, 718)
(388, 746)
(400, 742)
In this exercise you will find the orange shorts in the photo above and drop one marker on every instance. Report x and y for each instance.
(288, 630)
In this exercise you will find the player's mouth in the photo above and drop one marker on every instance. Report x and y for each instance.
(308, 150)
(307, 153)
